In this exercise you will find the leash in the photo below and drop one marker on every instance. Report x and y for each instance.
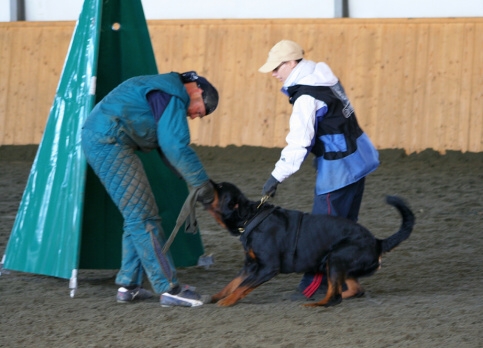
(259, 216)
(263, 200)
(187, 210)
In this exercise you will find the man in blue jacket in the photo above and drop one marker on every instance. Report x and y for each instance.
(322, 122)
(146, 113)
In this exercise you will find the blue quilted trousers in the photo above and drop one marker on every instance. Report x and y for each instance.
(113, 159)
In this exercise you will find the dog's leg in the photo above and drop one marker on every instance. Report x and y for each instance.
(241, 286)
(354, 289)
(332, 297)
(239, 293)
(334, 289)
(229, 289)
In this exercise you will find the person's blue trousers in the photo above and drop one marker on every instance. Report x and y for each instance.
(345, 202)
(113, 159)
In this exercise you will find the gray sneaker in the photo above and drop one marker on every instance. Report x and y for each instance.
(125, 296)
(184, 297)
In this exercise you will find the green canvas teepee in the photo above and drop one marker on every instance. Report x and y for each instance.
(66, 220)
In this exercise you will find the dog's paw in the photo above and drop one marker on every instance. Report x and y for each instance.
(326, 302)
(206, 299)
(226, 302)
(214, 299)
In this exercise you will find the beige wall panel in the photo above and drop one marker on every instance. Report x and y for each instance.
(404, 103)
(31, 64)
(449, 70)
(5, 68)
(455, 68)
(367, 59)
(475, 70)
(414, 83)
(414, 106)
(462, 136)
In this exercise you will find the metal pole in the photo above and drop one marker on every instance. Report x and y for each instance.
(341, 8)
(17, 10)
(345, 8)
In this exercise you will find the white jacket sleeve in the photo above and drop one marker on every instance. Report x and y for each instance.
(299, 138)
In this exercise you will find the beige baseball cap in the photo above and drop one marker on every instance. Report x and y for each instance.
(283, 51)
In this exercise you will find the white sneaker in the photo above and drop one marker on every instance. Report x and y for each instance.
(125, 296)
(186, 297)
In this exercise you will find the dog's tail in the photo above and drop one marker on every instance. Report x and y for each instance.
(406, 228)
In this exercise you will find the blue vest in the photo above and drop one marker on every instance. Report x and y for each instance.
(344, 152)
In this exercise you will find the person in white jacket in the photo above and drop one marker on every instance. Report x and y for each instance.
(322, 122)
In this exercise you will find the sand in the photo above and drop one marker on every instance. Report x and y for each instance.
(429, 292)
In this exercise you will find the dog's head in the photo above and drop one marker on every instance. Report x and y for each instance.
(230, 207)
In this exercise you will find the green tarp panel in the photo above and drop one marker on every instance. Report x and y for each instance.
(66, 220)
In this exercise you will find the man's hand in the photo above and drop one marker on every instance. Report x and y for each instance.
(206, 193)
(270, 187)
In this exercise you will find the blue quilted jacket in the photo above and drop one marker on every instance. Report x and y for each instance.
(125, 109)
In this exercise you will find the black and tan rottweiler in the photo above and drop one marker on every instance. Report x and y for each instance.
(278, 240)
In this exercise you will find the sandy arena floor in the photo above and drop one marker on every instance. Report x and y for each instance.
(429, 292)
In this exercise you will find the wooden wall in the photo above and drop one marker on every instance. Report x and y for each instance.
(415, 83)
